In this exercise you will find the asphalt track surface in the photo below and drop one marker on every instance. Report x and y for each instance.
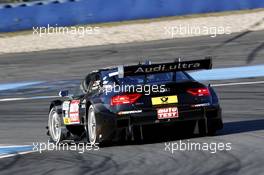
(23, 122)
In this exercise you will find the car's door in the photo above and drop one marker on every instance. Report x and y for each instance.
(88, 91)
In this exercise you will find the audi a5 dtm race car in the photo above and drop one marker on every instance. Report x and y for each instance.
(147, 94)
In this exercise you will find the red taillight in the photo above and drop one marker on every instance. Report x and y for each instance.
(125, 99)
(199, 91)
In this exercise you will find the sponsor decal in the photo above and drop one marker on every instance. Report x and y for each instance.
(165, 68)
(168, 67)
(167, 113)
(65, 105)
(65, 109)
(164, 100)
(129, 112)
(201, 105)
(74, 112)
(66, 120)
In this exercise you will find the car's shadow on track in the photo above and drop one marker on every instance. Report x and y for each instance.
(242, 126)
(158, 135)
(229, 128)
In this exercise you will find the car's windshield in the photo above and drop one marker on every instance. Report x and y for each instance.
(153, 78)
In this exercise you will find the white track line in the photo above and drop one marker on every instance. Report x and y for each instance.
(13, 146)
(13, 99)
(27, 98)
(239, 83)
(5, 155)
(15, 154)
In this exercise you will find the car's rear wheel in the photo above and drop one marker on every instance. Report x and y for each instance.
(54, 125)
(91, 126)
(214, 126)
(207, 128)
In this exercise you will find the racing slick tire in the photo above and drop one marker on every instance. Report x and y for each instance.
(208, 128)
(56, 130)
(91, 127)
(214, 126)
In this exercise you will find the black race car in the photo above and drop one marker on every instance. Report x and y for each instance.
(118, 102)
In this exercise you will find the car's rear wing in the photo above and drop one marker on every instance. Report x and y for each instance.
(143, 69)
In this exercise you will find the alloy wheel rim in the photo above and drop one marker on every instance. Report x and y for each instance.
(55, 129)
(92, 127)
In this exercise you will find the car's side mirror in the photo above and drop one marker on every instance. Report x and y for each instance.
(64, 93)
